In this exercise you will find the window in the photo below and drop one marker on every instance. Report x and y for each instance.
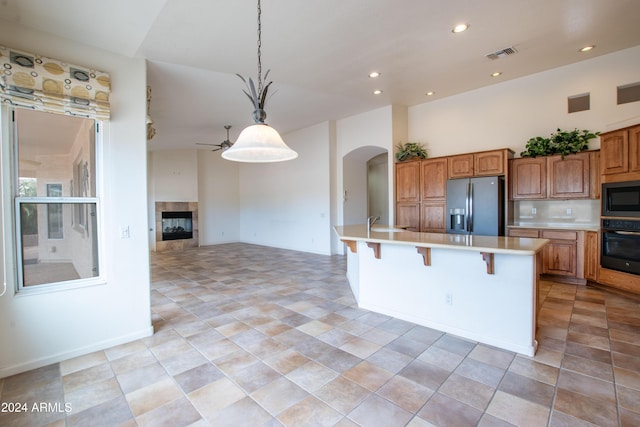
(54, 213)
(56, 201)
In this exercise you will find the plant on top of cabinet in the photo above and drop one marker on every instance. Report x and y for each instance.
(410, 151)
(562, 142)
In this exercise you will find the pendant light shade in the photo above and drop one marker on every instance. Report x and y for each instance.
(259, 143)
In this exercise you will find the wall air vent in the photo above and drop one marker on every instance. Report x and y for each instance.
(580, 102)
(501, 53)
(629, 93)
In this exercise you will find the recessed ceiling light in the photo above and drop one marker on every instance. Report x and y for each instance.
(496, 74)
(586, 48)
(374, 74)
(377, 92)
(460, 28)
(430, 93)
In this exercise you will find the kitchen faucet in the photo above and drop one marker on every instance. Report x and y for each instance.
(371, 220)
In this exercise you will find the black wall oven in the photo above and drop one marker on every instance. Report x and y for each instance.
(621, 199)
(621, 245)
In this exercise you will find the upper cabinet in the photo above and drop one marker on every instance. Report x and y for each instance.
(574, 177)
(408, 182)
(620, 154)
(489, 163)
(434, 179)
(529, 178)
(569, 178)
(461, 166)
(486, 163)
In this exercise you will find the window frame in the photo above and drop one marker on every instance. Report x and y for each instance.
(17, 201)
(60, 230)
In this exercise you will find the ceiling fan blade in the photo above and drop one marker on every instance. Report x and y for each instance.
(222, 146)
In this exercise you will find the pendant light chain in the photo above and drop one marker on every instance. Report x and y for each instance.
(259, 48)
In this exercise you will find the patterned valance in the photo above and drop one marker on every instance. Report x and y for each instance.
(50, 85)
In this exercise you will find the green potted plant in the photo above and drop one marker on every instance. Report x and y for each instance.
(561, 142)
(410, 151)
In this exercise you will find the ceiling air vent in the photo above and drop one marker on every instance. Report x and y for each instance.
(501, 53)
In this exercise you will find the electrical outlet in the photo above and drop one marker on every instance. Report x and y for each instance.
(533, 211)
(448, 299)
(569, 211)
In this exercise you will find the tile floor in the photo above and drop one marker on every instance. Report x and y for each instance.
(255, 336)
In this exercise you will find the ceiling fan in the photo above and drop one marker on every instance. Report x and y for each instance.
(224, 145)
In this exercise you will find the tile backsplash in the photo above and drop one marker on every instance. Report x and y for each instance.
(557, 213)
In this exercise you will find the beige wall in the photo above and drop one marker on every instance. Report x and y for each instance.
(508, 114)
(52, 326)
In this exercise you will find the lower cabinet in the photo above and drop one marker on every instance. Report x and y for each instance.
(567, 254)
(560, 256)
(408, 215)
(433, 217)
(425, 216)
(591, 255)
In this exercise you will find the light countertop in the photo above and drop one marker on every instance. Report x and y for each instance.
(492, 244)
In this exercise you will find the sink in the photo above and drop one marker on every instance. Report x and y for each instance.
(384, 229)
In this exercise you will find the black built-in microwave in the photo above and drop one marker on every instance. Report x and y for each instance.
(621, 199)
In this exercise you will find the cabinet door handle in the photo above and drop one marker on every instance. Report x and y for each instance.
(628, 233)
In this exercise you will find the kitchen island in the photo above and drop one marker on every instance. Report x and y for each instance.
(482, 288)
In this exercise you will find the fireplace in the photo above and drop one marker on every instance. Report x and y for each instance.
(177, 225)
(166, 212)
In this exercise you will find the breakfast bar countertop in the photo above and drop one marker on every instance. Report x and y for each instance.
(493, 244)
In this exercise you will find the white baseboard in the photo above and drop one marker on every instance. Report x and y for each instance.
(59, 357)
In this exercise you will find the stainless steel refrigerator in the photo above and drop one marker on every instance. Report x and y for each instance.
(476, 206)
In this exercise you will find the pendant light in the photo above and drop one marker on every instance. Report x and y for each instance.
(259, 143)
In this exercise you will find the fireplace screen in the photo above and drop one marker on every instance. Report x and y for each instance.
(177, 225)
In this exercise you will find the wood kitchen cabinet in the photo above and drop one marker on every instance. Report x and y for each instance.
(620, 154)
(591, 255)
(461, 166)
(489, 163)
(552, 177)
(523, 232)
(569, 178)
(408, 182)
(434, 179)
(421, 191)
(528, 178)
(485, 163)
(565, 255)
(433, 217)
(560, 256)
(434, 193)
(408, 215)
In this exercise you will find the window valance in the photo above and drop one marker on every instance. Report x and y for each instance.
(50, 85)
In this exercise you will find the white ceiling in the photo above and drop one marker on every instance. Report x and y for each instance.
(321, 52)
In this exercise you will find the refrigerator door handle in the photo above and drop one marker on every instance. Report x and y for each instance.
(470, 208)
(466, 209)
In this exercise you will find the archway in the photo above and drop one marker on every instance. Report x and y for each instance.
(365, 185)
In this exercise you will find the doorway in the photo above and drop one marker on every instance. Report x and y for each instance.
(365, 190)
(378, 188)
